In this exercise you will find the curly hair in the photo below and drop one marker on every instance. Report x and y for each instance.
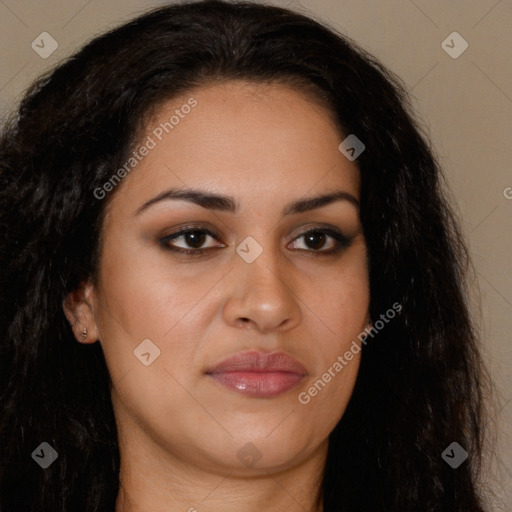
(421, 383)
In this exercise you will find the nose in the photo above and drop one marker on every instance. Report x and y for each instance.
(261, 295)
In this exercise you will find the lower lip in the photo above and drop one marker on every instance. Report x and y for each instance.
(258, 384)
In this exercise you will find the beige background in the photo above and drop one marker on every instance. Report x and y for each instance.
(465, 103)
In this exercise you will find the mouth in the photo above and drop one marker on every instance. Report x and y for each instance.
(258, 375)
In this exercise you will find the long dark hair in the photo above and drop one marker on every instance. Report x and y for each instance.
(421, 384)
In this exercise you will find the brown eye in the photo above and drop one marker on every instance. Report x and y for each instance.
(316, 239)
(193, 239)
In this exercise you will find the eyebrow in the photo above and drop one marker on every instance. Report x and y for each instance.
(228, 204)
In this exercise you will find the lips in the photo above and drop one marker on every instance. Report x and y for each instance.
(254, 361)
(257, 374)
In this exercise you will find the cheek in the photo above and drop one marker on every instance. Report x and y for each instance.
(142, 299)
(341, 303)
(342, 306)
(147, 295)
(150, 298)
(340, 298)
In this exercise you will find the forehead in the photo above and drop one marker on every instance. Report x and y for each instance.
(267, 143)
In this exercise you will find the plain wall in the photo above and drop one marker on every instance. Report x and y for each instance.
(465, 103)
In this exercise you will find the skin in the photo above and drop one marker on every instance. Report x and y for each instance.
(179, 431)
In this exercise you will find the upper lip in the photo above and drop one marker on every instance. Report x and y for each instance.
(254, 361)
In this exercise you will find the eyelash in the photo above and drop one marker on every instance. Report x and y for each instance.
(342, 241)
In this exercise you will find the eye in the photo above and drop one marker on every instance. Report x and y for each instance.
(191, 237)
(194, 238)
(316, 239)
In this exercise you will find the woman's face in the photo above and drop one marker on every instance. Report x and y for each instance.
(166, 319)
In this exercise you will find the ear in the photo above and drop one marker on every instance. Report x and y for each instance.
(78, 307)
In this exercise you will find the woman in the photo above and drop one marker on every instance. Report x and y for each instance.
(231, 280)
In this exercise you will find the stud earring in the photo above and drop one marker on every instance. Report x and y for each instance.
(83, 334)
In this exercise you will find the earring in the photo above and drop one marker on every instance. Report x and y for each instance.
(83, 334)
